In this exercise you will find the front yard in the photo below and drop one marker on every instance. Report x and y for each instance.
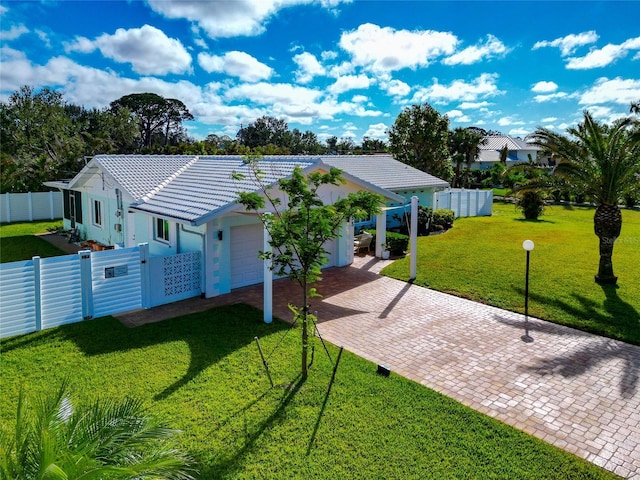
(204, 373)
(482, 259)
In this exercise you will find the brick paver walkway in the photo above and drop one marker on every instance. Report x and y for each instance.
(572, 389)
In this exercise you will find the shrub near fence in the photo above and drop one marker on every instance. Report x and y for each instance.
(27, 207)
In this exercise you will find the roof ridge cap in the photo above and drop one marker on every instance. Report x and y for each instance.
(168, 180)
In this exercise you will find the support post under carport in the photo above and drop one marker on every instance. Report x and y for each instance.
(268, 279)
(381, 233)
(413, 247)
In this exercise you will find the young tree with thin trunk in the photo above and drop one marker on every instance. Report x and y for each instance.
(300, 226)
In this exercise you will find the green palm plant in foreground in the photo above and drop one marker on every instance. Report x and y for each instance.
(105, 440)
(603, 162)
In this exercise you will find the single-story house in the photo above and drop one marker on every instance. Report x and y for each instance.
(519, 151)
(394, 176)
(187, 203)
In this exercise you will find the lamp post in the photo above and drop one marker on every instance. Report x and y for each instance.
(528, 246)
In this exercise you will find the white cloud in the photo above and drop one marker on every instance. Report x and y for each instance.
(384, 49)
(349, 82)
(550, 119)
(492, 47)
(473, 105)
(597, 58)
(345, 68)
(236, 64)
(359, 99)
(544, 87)
(86, 86)
(551, 96)
(603, 56)
(230, 18)
(459, 90)
(350, 126)
(80, 44)
(44, 38)
(14, 32)
(519, 132)
(377, 130)
(568, 44)
(505, 121)
(308, 67)
(328, 55)
(3, 9)
(457, 116)
(617, 90)
(147, 49)
(396, 88)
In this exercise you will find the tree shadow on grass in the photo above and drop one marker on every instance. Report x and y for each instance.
(619, 314)
(232, 465)
(210, 335)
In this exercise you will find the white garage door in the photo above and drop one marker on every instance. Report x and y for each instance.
(246, 267)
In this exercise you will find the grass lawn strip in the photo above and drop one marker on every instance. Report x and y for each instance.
(17, 241)
(482, 259)
(204, 372)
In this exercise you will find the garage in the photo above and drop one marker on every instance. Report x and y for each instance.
(246, 267)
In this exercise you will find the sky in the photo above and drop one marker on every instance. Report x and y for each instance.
(336, 67)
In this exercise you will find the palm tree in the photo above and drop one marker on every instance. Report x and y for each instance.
(106, 440)
(603, 162)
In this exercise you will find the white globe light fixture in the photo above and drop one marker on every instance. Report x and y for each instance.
(528, 245)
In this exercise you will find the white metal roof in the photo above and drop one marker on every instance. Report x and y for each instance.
(195, 188)
(385, 171)
(497, 142)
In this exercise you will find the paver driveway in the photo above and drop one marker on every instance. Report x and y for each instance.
(575, 390)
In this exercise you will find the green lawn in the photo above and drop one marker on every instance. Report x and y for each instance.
(17, 241)
(482, 259)
(204, 373)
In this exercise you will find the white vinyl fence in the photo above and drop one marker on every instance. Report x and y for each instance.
(47, 292)
(23, 207)
(465, 203)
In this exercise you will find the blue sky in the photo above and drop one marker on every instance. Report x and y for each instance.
(336, 67)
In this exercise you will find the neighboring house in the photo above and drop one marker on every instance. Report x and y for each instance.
(397, 177)
(519, 151)
(186, 203)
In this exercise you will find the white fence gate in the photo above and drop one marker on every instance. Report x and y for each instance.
(177, 277)
(22, 207)
(465, 203)
(44, 293)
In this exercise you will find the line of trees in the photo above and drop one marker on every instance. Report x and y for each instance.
(43, 137)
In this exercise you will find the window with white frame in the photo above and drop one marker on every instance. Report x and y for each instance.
(161, 230)
(98, 209)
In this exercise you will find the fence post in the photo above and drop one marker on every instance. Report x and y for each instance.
(30, 203)
(413, 250)
(51, 212)
(8, 204)
(86, 287)
(268, 278)
(145, 275)
(37, 292)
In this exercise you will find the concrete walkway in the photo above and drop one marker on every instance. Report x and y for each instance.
(572, 389)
